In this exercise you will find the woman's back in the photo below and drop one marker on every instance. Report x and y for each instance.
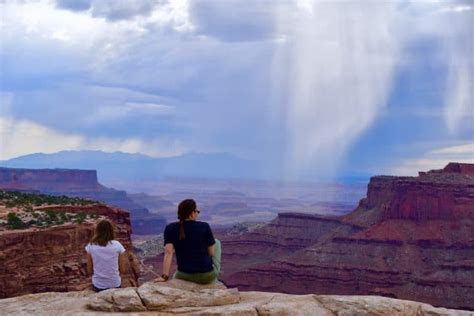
(198, 254)
(103, 254)
(192, 252)
(106, 264)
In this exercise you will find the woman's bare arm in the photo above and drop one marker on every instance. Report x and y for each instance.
(90, 265)
(169, 250)
(123, 263)
(210, 250)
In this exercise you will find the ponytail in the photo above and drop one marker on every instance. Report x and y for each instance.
(185, 209)
(182, 235)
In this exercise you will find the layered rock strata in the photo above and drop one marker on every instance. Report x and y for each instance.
(53, 259)
(410, 238)
(83, 184)
(184, 298)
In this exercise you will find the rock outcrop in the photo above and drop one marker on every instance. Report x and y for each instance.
(184, 298)
(410, 238)
(49, 180)
(435, 195)
(83, 184)
(53, 259)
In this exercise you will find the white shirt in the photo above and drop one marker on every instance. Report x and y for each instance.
(105, 260)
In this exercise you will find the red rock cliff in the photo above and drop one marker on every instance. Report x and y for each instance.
(53, 259)
(438, 194)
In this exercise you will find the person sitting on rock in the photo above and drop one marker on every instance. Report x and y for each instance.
(198, 253)
(105, 258)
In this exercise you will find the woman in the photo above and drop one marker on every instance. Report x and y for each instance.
(105, 258)
(198, 254)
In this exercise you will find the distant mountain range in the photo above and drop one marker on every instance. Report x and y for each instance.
(126, 166)
(119, 166)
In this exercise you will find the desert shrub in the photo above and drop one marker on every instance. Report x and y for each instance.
(63, 216)
(52, 215)
(14, 221)
(80, 218)
(9, 204)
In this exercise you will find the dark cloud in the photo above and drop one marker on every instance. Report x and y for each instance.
(74, 5)
(112, 10)
(236, 20)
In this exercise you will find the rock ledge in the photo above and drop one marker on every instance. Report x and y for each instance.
(185, 298)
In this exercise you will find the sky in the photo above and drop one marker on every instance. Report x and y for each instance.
(311, 88)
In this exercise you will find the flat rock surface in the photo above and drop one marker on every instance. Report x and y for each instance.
(185, 298)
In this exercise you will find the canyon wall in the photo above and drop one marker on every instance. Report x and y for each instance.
(430, 196)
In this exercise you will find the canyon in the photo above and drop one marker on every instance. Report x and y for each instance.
(410, 238)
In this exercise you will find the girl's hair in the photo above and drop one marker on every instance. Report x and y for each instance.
(185, 209)
(104, 232)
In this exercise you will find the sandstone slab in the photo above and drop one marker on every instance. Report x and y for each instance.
(295, 305)
(373, 305)
(161, 296)
(158, 297)
(117, 300)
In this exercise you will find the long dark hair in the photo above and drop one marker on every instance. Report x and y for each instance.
(185, 209)
(104, 232)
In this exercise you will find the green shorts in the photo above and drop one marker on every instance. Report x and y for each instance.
(205, 277)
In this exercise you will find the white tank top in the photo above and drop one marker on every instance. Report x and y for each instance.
(106, 267)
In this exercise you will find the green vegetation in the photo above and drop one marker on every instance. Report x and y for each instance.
(52, 216)
(80, 218)
(15, 222)
(45, 218)
(26, 201)
(27, 216)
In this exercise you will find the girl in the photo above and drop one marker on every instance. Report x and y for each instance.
(198, 254)
(105, 258)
